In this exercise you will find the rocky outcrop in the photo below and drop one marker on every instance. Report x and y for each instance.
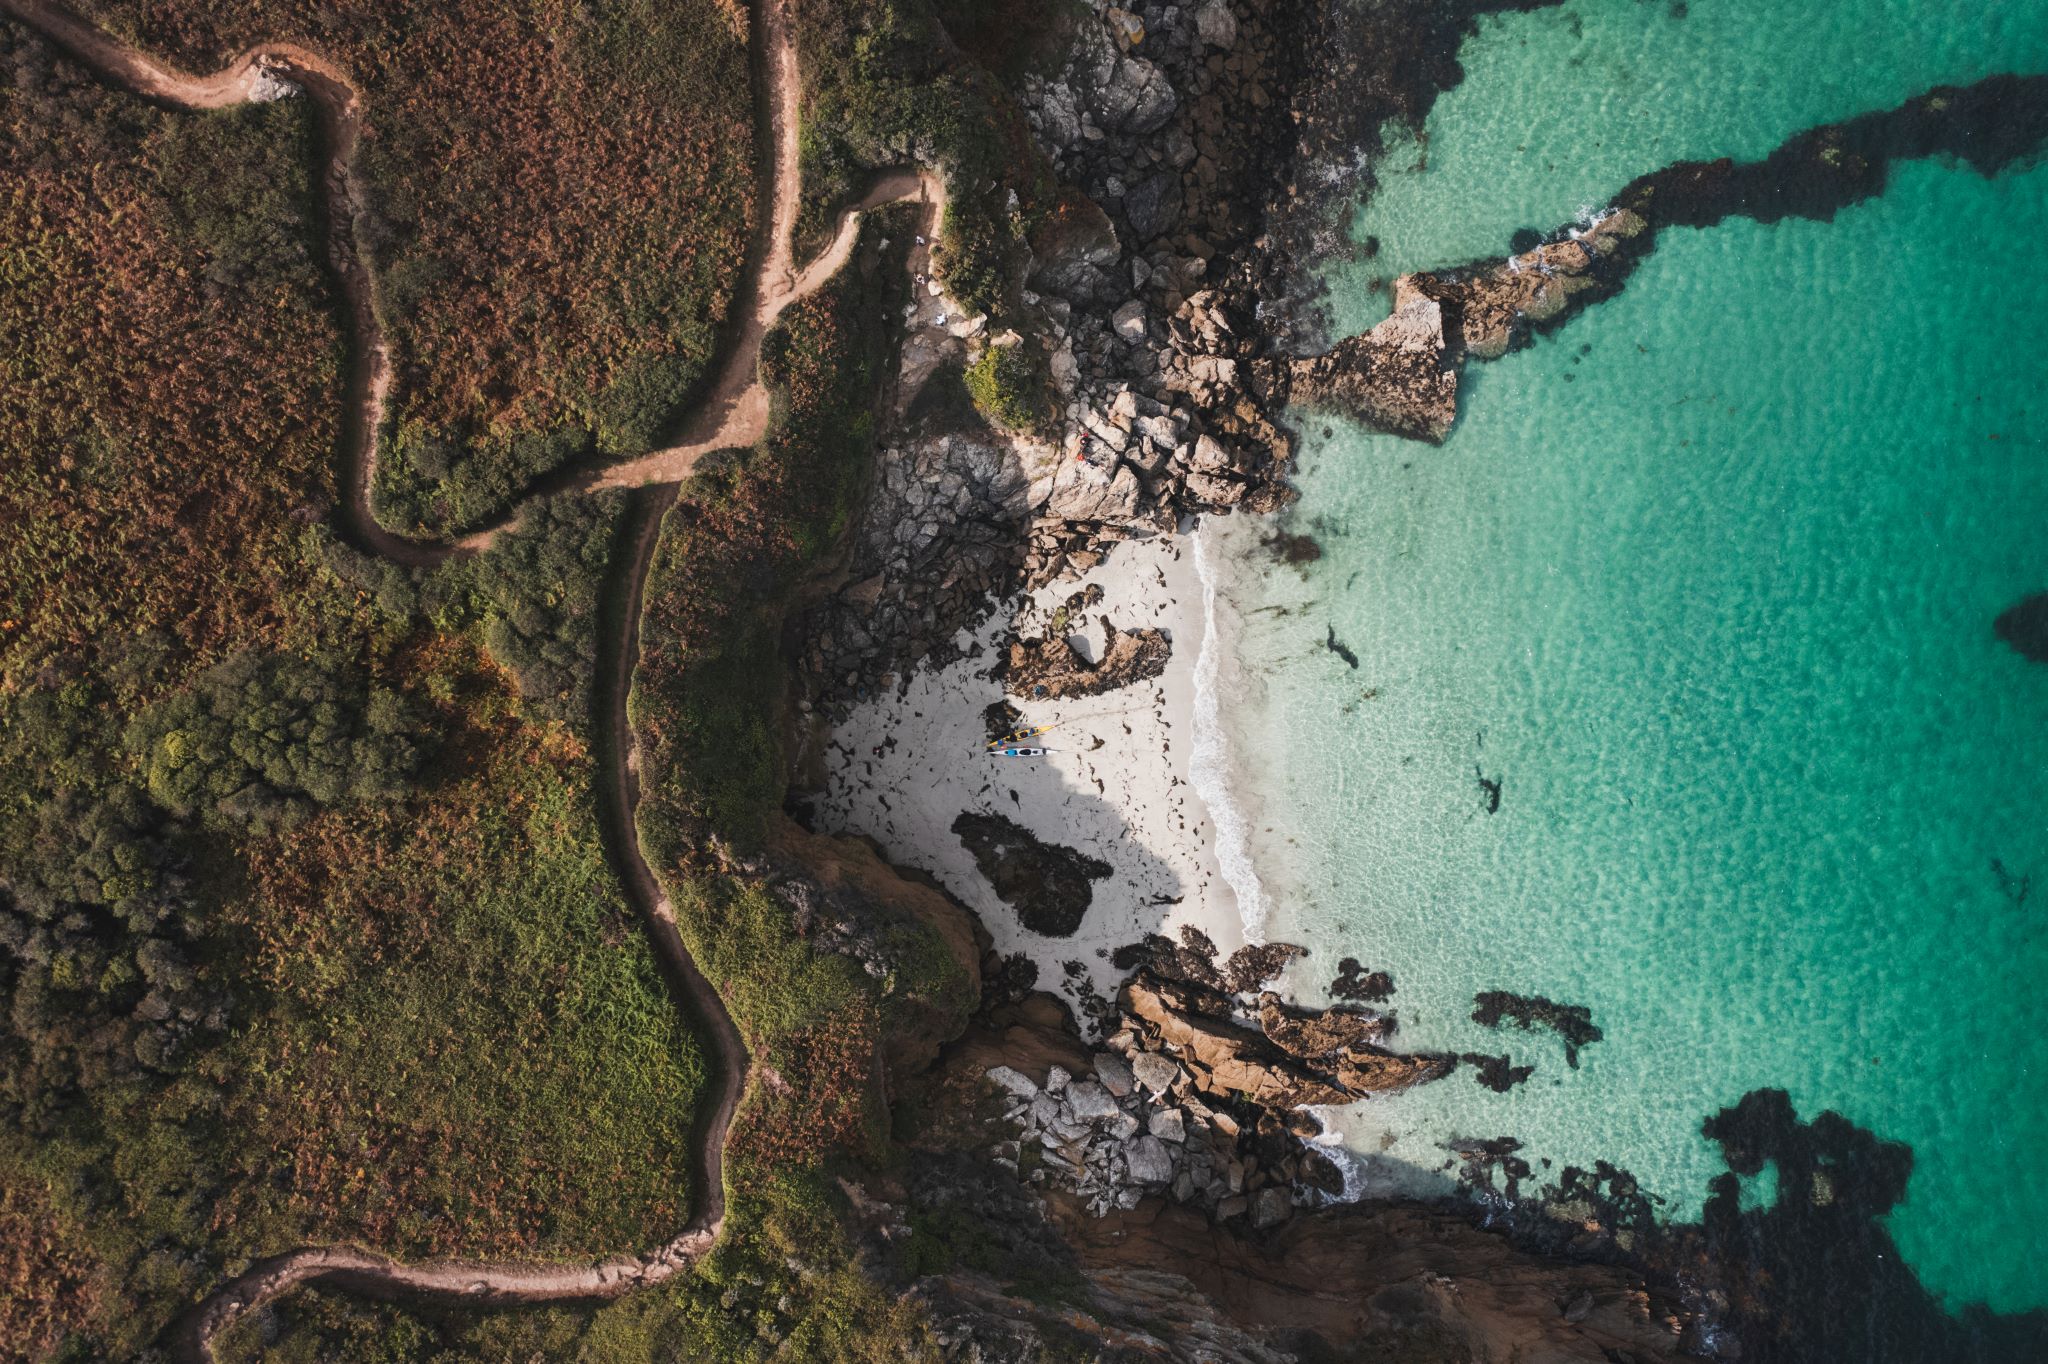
(1396, 377)
(1402, 376)
(2024, 626)
(940, 540)
(1329, 1062)
(1047, 884)
(1497, 305)
(1392, 1281)
(1385, 377)
(1054, 669)
(1131, 1127)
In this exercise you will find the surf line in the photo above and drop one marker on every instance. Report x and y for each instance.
(1209, 763)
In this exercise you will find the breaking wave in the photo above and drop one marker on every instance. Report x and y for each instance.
(1209, 763)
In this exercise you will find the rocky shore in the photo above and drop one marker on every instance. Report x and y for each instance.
(1145, 1136)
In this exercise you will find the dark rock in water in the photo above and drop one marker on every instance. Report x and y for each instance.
(1355, 982)
(1340, 648)
(1047, 884)
(1524, 239)
(1293, 549)
(2025, 627)
(1498, 1073)
(1251, 966)
(1193, 959)
(1572, 1022)
(1489, 790)
(1481, 1156)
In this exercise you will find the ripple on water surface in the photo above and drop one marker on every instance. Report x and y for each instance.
(1561, 107)
(1706, 581)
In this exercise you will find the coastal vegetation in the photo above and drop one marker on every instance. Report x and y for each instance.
(1009, 383)
(306, 930)
(555, 206)
(884, 86)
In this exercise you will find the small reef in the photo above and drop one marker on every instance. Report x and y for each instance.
(1572, 1022)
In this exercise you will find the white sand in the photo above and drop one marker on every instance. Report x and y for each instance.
(1116, 789)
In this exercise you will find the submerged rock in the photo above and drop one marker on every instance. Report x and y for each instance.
(2024, 626)
(1355, 982)
(1572, 1022)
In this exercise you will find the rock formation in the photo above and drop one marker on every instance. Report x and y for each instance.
(1039, 669)
(847, 900)
(1047, 884)
(1572, 1022)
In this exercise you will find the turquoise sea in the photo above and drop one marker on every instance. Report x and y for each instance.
(1705, 580)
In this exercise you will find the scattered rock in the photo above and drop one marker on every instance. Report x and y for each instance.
(1216, 24)
(1115, 1073)
(1270, 1207)
(1014, 1081)
(1149, 1161)
(1155, 1072)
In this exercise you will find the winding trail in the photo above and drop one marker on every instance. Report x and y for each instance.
(735, 412)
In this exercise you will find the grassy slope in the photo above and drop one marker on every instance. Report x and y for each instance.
(416, 1015)
(560, 197)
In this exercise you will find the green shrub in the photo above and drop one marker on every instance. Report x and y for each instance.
(1008, 384)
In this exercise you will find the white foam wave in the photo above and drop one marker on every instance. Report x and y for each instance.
(1348, 1162)
(1209, 763)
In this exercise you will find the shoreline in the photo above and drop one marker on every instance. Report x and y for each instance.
(1119, 785)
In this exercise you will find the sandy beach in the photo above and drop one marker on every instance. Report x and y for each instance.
(907, 763)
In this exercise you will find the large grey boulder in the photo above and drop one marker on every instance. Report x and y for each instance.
(1090, 1101)
(1153, 204)
(1216, 24)
(1084, 492)
(1155, 1072)
(1114, 1072)
(1150, 1161)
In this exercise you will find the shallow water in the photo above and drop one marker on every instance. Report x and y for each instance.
(1561, 107)
(1706, 581)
